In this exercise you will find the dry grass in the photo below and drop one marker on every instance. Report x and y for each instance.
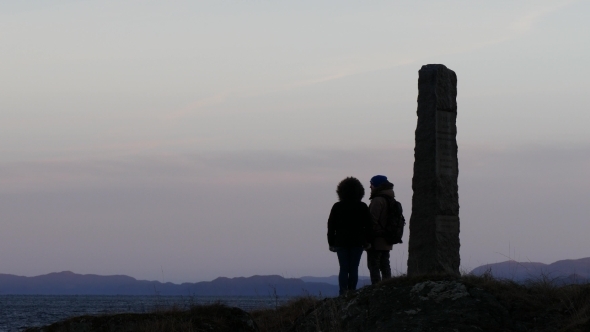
(283, 317)
(569, 304)
(214, 317)
(197, 318)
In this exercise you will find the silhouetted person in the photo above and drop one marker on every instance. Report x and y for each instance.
(378, 254)
(349, 228)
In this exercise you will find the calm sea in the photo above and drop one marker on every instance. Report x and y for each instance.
(18, 312)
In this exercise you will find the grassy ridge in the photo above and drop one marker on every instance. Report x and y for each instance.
(538, 306)
(563, 308)
(570, 304)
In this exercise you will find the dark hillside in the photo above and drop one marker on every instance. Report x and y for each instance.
(439, 303)
(453, 304)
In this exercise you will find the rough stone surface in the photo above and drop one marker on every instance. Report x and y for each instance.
(434, 224)
(438, 291)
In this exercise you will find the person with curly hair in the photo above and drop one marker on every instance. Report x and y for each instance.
(349, 231)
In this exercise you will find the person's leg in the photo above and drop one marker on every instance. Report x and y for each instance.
(373, 265)
(353, 267)
(344, 262)
(384, 264)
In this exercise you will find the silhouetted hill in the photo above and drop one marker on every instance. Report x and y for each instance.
(447, 303)
(425, 303)
(333, 280)
(69, 283)
(568, 271)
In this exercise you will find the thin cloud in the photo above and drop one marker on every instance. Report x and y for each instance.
(321, 79)
(220, 98)
(347, 73)
(337, 74)
(527, 22)
(517, 29)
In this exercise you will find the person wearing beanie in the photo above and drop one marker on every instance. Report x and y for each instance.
(349, 229)
(378, 254)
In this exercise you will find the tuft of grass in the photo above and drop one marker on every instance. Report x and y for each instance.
(216, 316)
(405, 280)
(283, 317)
(569, 304)
(213, 317)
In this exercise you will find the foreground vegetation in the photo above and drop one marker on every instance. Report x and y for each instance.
(466, 303)
(569, 305)
(538, 305)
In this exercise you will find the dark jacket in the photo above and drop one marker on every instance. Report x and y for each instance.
(379, 209)
(349, 224)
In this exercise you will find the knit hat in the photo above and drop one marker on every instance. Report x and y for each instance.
(378, 180)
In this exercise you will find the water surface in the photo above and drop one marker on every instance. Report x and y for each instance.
(18, 312)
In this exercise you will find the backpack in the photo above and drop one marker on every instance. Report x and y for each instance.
(393, 231)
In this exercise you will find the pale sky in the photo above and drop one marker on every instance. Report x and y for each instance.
(185, 140)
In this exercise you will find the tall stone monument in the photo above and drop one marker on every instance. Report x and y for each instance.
(434, 224)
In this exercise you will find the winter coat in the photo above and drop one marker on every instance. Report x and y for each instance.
(378, 210)
(349, 224)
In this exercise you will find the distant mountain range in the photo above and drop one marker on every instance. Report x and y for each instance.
(69, 283)
(569, 271)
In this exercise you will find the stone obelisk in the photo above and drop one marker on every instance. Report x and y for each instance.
(434, 224)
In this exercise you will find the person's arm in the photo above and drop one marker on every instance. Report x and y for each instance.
(332, 226)
(376, 208)
(367, 227)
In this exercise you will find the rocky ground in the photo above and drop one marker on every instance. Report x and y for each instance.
(452, 304)
(437, 303)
